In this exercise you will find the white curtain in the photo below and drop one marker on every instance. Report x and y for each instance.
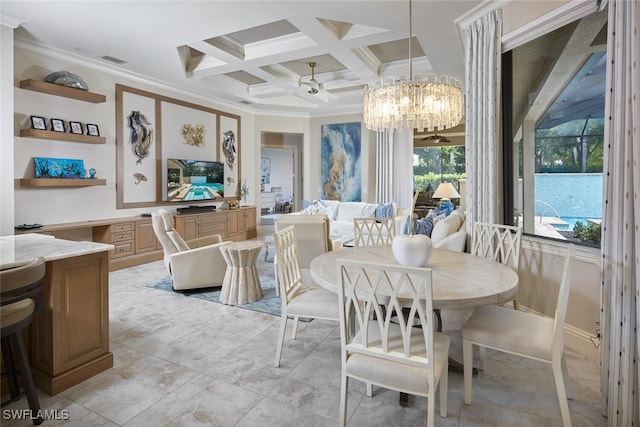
(384, 168)
(483, 41)
(394, 168)
(621, 218)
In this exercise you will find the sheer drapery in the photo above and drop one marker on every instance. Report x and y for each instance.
(384, 168)
(394, 167)
(483, 38)
(621, 218)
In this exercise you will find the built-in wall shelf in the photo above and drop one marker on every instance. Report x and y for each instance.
(53, 182)
(62, 136)
(59, 90)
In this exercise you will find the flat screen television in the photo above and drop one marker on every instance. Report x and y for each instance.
(194, 180)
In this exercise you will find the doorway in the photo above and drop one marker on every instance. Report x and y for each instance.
(282, 154)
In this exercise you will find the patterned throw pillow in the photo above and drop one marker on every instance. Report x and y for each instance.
(384, 210)
(426, 224)
(317, 208)
(307, 203)
(368, 210)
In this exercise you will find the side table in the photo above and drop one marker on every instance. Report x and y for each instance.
(241, 283)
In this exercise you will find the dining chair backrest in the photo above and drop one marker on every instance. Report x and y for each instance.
(500, 243)
(311, 232)
(373, 231)
(370, 291)
(288, 268)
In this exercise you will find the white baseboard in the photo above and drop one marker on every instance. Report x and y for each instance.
(580, 341)
(576, 339)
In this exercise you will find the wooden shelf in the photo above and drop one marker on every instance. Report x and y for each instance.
(62, 136)
(53, 182)
(59, 90)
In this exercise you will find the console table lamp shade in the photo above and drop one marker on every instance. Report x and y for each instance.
(445, 192)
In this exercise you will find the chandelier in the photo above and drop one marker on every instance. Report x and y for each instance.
(414, 103)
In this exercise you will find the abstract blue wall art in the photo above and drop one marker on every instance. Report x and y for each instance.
(48, 167)
(340, 168)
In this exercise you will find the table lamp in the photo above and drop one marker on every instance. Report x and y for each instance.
(445, 192)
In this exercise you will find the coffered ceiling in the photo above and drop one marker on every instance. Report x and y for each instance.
(253, 54)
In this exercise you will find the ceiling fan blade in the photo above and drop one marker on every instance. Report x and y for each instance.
(436, 139)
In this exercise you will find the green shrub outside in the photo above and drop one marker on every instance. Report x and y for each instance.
(423, 181)
(589, 233)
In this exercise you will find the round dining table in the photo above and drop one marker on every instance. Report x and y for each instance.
(459, 280)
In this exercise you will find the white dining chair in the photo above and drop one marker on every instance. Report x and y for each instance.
(404, 355)
(500, 243)
(524, 334)
(312, 237)
(373, 231)
(299, 298)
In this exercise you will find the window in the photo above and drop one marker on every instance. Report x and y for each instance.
(553, 99)
(433, 165)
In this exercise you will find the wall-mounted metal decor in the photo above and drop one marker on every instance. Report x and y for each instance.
(159, 129)
(141, 135)
(229, 147)
(193, 135)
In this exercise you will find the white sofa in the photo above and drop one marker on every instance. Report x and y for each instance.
(451, 232)
(342, 214)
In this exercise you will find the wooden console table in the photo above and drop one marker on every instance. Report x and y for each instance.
(69, 340)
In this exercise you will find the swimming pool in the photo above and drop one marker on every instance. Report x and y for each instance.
(571, 222)
(203, 192)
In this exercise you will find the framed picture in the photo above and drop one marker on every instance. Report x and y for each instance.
(57, 125)
(38, 123)
(265, 171)
(92, 130)
(75, 127)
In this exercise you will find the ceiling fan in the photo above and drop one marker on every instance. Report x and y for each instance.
(436, 139)
(313, 85)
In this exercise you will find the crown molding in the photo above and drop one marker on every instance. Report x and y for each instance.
(558, 17)
(11, 21)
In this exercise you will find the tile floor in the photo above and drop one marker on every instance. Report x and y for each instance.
(182, 361)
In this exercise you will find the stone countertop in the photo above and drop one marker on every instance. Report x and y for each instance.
(25, 247)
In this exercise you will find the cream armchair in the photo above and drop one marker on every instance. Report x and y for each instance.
(192, 264)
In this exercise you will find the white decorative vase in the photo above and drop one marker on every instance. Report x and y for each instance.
(412, 250)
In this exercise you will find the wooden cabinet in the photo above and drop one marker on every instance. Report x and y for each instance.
(238, 224)
(123, 238)
(247, 220)
(70, 339)
(145, 238)
(134, 240)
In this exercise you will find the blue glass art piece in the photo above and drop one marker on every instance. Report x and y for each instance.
(48, 167)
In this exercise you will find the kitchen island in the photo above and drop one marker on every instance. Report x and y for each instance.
(69, 340)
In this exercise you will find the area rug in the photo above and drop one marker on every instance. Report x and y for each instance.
(270, 303)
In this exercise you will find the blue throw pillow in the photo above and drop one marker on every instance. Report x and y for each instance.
(384, 210)
(425, 225)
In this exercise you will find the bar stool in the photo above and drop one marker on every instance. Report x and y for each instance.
(20, 302)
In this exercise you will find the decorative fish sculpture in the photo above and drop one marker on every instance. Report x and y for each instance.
(139, 177)
(141, 135)
(229, 148)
